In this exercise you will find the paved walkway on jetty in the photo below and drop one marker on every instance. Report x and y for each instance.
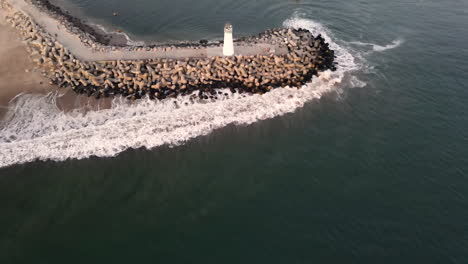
(81, 51)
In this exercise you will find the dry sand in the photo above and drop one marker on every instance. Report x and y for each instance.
(18, 74)
(17, 71)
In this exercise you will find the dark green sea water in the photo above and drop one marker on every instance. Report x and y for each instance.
(374, 173)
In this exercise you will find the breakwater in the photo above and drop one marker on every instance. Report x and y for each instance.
(275, 58)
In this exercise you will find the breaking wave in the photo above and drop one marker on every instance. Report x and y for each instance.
(129, 41)
(35, 128)
(395, 44)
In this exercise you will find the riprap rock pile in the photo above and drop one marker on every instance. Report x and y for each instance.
(164, 77)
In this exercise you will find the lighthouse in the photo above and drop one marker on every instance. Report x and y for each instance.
(228, 48)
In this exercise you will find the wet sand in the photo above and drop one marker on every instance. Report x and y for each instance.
(18, 73)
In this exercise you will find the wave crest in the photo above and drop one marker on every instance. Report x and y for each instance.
(378, 48)
(36, 129)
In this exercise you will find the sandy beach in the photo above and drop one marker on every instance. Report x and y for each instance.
(70, 57)
(18, 73)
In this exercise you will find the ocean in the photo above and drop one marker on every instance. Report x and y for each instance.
(368, 165)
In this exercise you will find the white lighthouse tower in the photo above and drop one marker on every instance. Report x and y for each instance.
(228, 48)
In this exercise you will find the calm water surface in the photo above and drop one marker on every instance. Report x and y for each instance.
(372, 174)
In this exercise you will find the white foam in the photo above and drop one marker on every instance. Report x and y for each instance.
(346, 60)
(35, 129)
(130, 42)
(378, 48)
(355, 82)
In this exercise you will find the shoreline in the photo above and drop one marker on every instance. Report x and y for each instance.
(76, 59)
(18, 73)
(92, 43)
(96, 33)
(76, 22)
(102, 33)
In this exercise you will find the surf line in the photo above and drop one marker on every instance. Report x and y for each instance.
(257, 64)
(378, 48)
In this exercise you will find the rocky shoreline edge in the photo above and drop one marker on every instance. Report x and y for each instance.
(160, 78)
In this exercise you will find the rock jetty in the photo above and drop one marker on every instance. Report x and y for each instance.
(168, 77)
